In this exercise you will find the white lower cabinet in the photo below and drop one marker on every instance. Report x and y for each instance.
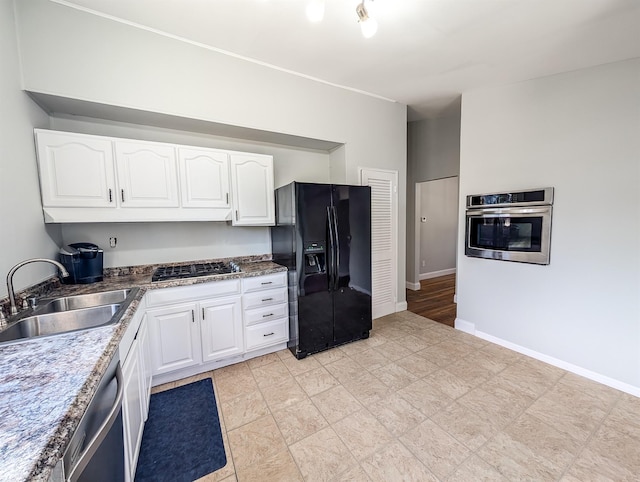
(146, 367)
(132, 408)
(194, 326)
(175, 338)
(221, 328)
(266, 310)
(134, 353)
(193, 329)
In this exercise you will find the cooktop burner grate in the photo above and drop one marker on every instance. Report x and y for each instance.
(163, 273)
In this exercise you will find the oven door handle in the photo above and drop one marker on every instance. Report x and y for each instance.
(97, 439)
(508, 212)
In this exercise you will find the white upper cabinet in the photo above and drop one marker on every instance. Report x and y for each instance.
(252, 189)
(143, 181)
(147, 174)
(204, 178)
(75, 170)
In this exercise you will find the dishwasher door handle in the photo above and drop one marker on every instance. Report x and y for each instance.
(97, 439)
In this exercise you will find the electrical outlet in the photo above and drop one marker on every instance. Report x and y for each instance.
(113, 241)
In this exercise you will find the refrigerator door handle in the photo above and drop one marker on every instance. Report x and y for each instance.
(337, 250)
(332, 250)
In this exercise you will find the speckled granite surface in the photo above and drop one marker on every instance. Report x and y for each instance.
(46, 383)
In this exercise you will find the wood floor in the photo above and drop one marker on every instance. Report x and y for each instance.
(434, 300)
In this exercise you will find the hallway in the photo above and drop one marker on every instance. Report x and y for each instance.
(434, 300)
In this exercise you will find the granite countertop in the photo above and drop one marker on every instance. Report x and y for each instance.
(46, 383)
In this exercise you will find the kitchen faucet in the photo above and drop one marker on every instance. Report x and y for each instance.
(12, 296)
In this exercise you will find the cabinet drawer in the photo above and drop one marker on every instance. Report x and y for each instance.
(276, 280)
(264, 298)
(198, 291)
(267, 313)
(266, 334)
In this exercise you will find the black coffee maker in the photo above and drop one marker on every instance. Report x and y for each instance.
(83, 261)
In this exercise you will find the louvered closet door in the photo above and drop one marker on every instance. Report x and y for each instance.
(384, 229)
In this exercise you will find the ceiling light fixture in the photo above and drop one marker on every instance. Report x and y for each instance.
(315, 10)
(368, 25)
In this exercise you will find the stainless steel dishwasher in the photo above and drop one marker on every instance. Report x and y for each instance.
(96, 450)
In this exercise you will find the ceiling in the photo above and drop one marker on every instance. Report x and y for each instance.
(425, 53)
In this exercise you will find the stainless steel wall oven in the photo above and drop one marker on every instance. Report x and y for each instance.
(513, 226)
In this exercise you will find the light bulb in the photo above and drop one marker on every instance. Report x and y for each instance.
(369, 27)
(315, 10)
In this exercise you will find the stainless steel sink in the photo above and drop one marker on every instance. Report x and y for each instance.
(64, 322)
(69, 313)
(77, 302)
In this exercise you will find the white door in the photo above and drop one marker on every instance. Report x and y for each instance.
(438, 234)
(76, 170)
(147, 174)
(175, 338)
(221, 329)
(252, 190)
(204, 178)
(384, 235)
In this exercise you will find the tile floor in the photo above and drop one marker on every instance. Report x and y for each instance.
(419, 401)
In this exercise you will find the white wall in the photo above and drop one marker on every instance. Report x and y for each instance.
(22, 231)
(70, 53)
(578, 132)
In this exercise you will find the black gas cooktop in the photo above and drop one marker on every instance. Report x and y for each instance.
(163, 273)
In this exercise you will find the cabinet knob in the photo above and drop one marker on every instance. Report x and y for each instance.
(267, 299)
(110, 196)
(269, 334)
(267, 315)
(122, 194)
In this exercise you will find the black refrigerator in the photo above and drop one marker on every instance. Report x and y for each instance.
(323, 236)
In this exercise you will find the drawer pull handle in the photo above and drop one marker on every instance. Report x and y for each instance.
(266, 282)
(267, 315)
(269, 334)
(267, 299)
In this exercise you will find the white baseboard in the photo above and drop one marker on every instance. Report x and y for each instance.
(470, 328)
(206, 367)
(413, 286)
(435, 274)
(401, 306)
(462, 325)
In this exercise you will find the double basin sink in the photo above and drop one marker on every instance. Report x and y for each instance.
(69, 313)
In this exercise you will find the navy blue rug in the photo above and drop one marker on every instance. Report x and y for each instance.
(182, 440)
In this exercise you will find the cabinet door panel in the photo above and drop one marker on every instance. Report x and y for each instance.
(75, 170)
(145, 365)
(175, 340)
(132, 408)
(147, 174)
(221, 328)
(252, 190)
(204, 178)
